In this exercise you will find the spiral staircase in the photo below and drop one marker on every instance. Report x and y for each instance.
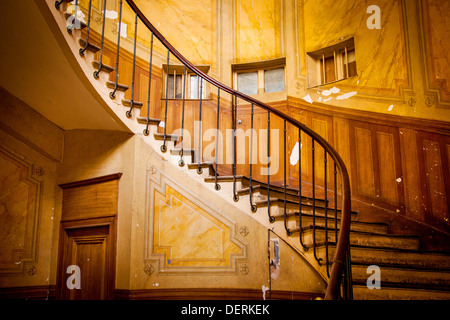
(320, 225)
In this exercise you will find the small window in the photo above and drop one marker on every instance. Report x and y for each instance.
(274, 80)
(194, 84)
(260, 77)
(175, 88)
(330, 64)
(248, 82)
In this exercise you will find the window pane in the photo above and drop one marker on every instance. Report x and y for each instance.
(178, 86)
(274, 80)
(193, 85)
(248, 82)
(170, 91)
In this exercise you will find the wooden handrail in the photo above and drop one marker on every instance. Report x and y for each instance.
(343, 239)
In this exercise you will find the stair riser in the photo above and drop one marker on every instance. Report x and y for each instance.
(258, 196)
(277, 208)
(371, 256)
(363, 293)
(307, 220)
(362, 239)
(405, 277)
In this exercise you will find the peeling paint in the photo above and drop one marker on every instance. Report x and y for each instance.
(307, 98)
(346, 95)
(326, 93)
(294, 154)
(111, 14)
(264, 289)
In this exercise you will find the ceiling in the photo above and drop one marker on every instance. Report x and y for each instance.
(33, 67)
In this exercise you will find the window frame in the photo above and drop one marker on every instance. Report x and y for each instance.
(259, 67)
(316, 63)
(178, 70)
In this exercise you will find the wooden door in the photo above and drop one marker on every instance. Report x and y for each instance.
(90, 250)
(88, 239)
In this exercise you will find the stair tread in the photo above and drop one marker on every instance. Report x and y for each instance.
(91, 47)
(160, 136)
(413, 258)
(178, 151)
(105, 67)
(69, 14)
(397, 293)
(262, 203)
(136, 104)
(143, 120)
(120, 87)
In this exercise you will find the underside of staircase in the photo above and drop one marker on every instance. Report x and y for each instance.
(407, 271)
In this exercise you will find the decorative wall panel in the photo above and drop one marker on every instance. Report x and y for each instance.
(19, 212)
(185, 234)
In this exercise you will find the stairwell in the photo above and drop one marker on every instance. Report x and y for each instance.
(406, 271)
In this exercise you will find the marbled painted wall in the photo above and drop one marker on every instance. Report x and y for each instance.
(257, 30)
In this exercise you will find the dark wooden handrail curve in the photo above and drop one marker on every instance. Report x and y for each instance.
(334, 282)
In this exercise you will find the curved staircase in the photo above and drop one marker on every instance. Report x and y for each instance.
(318, 228)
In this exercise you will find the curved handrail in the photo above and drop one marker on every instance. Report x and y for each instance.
(343, 239)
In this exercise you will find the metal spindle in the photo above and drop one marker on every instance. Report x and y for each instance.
(271, 219)
(82, 50)
(181, 161)
(252, 206)
(335, 205)
(129, 112)
(100, 66)
(163, 147)
(319, 260)
(216, 185)
(146, 132)
(199, 156)
(235, 196)
(58, 4)
(326, 212)
(300, 188)
(289, 233)
(112, 94)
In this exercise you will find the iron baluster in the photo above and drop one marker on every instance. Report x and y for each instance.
(199, 158)
(289, 233)
(326, 212)
(82, 50)
(163, 147)
(129, 112)
(335, 205)
(271, 219)
(300, 190)
(319, 260)
(235, 196)
(252, 206)
(216, 185)
(58, 4)
(100, 65)
(181, 161)
(146, 132)
(112, 94)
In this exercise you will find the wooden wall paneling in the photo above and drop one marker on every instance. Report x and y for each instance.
(341, 136)
(388, 177)
(299, 115)
(90, 198)
(411, 173)
(362, 161)
(433, 172)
